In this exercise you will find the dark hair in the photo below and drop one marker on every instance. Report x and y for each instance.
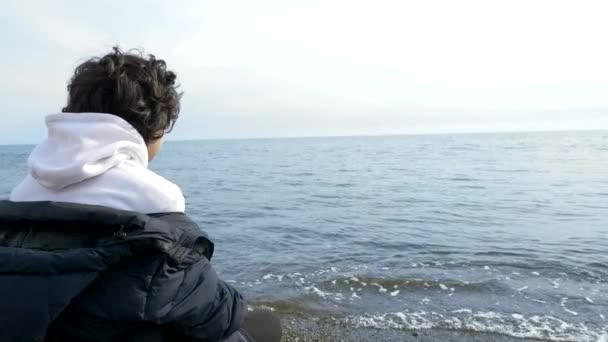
(140, 90)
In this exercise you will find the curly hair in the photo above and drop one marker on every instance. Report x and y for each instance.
(138, 89)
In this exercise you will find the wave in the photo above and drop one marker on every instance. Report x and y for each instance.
(390, 285)
(540, 327)
(508, 279)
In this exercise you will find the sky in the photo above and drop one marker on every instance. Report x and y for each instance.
(280, 68)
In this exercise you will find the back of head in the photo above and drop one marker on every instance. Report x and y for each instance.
(135, 87)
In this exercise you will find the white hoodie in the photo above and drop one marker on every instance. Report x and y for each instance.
(98, 159)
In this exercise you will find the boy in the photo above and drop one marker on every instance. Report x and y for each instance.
(94, 245)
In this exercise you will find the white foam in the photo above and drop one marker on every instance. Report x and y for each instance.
(263, 307)
(522, 288)
(469, 311)
(563, 305)
(589, 300)
(443, 287)
(515, 325)
(316, 291)
(381, 288)
(278, 277)
(536, 273)
(489, 314)
(394, 293)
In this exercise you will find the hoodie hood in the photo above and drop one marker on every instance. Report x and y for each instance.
(81, 146)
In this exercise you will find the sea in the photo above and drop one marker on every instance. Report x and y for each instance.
(481, 237)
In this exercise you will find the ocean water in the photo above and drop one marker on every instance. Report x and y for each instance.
(505, 234)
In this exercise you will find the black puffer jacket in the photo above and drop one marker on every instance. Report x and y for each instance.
(72, 272)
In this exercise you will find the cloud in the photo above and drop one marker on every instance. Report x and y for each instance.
(465, 43)
(274, 67)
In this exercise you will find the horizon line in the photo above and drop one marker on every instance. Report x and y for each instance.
(370, 135)
(366, 135)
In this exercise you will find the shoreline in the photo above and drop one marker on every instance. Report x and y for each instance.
(306, 329)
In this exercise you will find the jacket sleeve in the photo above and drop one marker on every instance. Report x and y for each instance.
(205, 308)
